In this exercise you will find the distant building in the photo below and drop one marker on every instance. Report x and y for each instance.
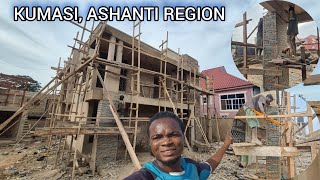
(311, 42)
(231, 92)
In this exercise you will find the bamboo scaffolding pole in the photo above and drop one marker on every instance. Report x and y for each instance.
(202, 131)
(97, 123)
(138, 86)
(171, 102)
(291, 164)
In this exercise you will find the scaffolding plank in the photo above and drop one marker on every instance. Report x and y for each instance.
(74, 131)
(271, 151)
(312, 80)
(253, 71)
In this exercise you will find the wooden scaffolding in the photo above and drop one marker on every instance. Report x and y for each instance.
(282, 144)
(70, 121)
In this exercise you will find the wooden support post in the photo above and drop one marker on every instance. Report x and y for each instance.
(217, 122)
(185, 137)
(314, 151)
(304, 67)
(245, 48)
(318, 42)
(126, 139)
(193, 135)
(295, 111)
(171, 102)
(201, 131)
(310, 125)
(291, 164)
(209, 118)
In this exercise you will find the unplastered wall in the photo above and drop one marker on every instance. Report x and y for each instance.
(107, 145)
(147, 89)
(13, 99)
(190, 63)
(274, 38)
(281, 34)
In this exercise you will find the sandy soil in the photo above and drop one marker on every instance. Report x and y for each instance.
(26, 161)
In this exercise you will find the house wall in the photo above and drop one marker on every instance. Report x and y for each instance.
(216, 101)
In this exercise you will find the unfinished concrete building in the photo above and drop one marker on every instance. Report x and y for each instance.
(109, 64)
(11, 99)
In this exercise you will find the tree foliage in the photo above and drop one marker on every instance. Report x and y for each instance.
(21, 82)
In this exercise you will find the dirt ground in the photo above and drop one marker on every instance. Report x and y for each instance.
(33, 161)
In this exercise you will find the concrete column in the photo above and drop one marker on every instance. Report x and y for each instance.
(94, 79)
(111, 52)
(119, 51)
(111, 79)
(112, 48)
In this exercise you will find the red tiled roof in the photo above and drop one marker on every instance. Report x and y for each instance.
(223, 80)
(312, 40)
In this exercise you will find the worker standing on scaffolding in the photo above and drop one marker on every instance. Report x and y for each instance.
(165, 131)
(121, 107)
(292, 31)
(260, 38)
(257, 103)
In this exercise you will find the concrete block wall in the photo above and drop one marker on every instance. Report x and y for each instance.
(147, 91)
(269, 36)
(282, 44)
(190, 62)
(106, 149)
(274, 34)
(107, 145)
(281, 34)
(12, 100)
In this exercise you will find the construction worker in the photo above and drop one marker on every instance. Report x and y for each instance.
(257, 103)
(292, 31)
(260, 38)
(121, 107)
(166, 138)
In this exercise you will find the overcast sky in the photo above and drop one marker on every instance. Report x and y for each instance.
(31, 48)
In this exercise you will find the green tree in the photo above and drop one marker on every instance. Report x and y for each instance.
(29, 84)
